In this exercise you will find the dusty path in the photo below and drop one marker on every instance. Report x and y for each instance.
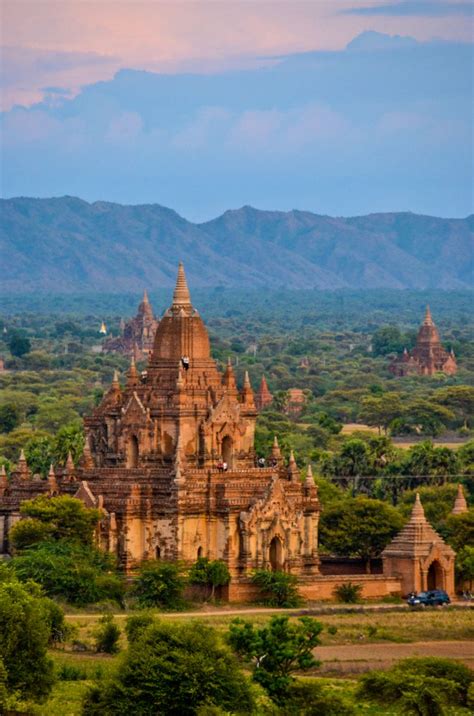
(355, 658)
(310, 611)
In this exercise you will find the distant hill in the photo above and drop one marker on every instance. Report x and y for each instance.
(68, 245)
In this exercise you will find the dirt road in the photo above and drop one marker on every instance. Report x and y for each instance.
(355, 658)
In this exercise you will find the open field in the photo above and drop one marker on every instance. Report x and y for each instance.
(368, 627)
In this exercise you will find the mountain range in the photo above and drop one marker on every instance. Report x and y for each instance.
(66, 244)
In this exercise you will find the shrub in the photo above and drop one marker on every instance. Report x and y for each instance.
(74, 572)
(24, 637)
(209, 573)
(107, 635)
(28, 532)
(422, 686)
(136, 625)
(71, 672)
(307, 698)
(348, 593)
(160, 584)
(278, 589)
(173, 669)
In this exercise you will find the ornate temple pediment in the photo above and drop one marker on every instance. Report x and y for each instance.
(134, 410)
(226, 412)
(273, 509)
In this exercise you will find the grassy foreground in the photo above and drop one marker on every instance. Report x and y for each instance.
(343, 629)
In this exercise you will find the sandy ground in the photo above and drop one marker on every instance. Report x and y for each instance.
(356, 658)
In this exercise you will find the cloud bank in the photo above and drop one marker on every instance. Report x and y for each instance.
(381, 125)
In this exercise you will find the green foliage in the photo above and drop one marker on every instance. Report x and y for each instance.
(29, 532)
(160, 584)
(136, 624)
(67, 517)
(19, 344)
(308, 698)
(380, 411)
(25, 632)
(39, 454)
(9, 417)
(388, 339)
(359, 527)
(278, 589)
(423, 418)
(459, 398)
(348, 592)
(173, 669)
(69, 439)
(107, 635)
(465, 565)
(78, 573)
(209, 573)
(421, 686)
(437, 503)
(460, 530)
(277, 650)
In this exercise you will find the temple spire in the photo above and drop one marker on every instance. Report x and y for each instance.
(276, 453)
(229, 378)
(293, 471)
(181, 295)
(247, 392)
(417, 513)
(3, 479)
(460, 504)
(132, 375)
(309, 479)
(428, 318)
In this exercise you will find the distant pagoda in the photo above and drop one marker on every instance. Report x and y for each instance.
(428, 356)
(137, 334)
(263, 397)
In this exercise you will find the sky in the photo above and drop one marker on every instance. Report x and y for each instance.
(332, 106)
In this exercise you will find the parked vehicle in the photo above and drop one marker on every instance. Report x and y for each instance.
(434, 598)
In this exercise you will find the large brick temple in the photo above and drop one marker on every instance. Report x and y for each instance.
(428, 356)
(170, 459)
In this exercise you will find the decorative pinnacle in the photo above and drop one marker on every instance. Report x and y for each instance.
(309, 475)
(181, 296)
(115, 380)
(51, 471)
(275, 448)
(428, 318)
(132, 372)
(460, 504)
(69, 463)
(417, 513)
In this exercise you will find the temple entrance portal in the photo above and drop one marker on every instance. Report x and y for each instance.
(227, 450)
(132, 451)
(276, 554)
(435, 576)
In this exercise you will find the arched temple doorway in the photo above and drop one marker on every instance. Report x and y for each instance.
(276, 554)
(435, 576)
(228, 450)
(132, 451)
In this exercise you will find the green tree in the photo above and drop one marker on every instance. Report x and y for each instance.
(25, 633)
(9, 417)
(39, 454)
(69, 439)
(465, 565)
(426, 460)
(160, 584)
(67, 517)
(19, 344)
(359, 527)
(209, 573)
(380, 411)
(460, 530)
(459, 398)
(277, 589)
(308, 698)
(423, 418)
(75, 572)
(175, 670)
(277, 650)
(29, 532)
(387, 339)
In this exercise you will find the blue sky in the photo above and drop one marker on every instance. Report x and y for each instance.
(369, 118)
